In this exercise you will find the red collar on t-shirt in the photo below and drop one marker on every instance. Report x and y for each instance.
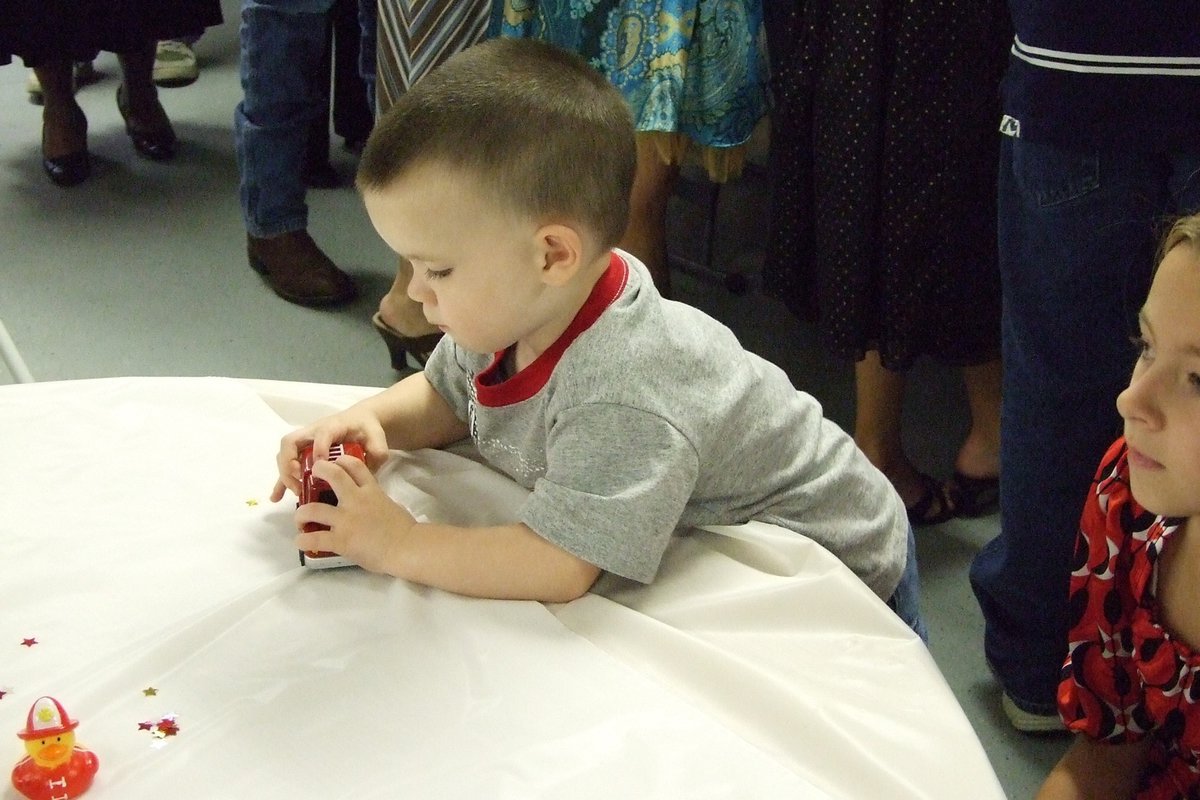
(529, 381)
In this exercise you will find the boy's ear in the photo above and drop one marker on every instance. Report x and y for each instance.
(560, 248)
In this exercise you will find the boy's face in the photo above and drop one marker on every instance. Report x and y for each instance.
(1161, 407)
(477, 269)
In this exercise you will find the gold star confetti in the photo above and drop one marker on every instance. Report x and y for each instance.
(150, 691)
(251, 502)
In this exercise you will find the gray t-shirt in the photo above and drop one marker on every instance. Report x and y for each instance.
(647, 417)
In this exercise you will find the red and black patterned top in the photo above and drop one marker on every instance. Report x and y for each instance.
(1126, 677)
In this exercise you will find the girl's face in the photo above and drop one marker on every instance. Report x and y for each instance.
(1161, 407)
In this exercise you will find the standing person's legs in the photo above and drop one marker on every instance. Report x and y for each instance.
(974, 488)
(137, 99)
(646, 236)
(368, 21)
(282, 43)
(65, 157)
(878, 412)
(1076, 247)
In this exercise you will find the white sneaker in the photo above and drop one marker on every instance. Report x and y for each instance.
(34, 87)
(1027, 721)
(174, 64)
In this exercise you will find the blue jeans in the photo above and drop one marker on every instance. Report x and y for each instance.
(1078, 232)
(283, 42)
(906, 600)
(368, 20)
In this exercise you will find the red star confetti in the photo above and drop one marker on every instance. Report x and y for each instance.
(150, 691)
(167, 727)
(3, 692)
(30, 642)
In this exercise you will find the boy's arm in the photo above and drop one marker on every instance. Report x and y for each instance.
(508, 562)
(1092, 770)
(408, 416)
(414, 415)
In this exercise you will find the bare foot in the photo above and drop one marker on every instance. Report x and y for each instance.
(979, 457)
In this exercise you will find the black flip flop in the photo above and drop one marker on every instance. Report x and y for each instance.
(973, 497)
(933, 507)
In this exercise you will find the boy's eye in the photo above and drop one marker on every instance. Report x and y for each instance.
(1140, 346)
(434, 274)
(1194, 381)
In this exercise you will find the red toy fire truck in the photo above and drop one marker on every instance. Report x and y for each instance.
(315, 490)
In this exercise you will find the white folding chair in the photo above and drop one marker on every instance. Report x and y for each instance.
(12, 357)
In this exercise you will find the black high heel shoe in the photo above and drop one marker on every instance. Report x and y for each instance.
(156, 145)
(402, 348)
(71, 169)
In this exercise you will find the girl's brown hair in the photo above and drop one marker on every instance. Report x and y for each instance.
(1185, 230)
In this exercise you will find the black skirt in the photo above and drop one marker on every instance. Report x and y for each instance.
(885, 147)
(42, 30)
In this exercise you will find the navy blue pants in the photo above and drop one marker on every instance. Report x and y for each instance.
(1078, 233)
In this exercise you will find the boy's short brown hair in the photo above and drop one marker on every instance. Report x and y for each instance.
(542, 130)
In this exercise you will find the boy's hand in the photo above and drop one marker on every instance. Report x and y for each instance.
(348, 426)
(366, 525)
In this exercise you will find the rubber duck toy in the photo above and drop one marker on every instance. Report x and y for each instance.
(54, 769)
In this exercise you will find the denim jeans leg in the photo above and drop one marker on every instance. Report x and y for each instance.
(906, 600)
(1077, 234)
(368, 21)
(282, 42)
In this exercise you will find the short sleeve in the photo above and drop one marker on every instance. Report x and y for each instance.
(616, 483)
(450, 374)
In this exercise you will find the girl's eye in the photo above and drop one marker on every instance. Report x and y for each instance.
(1194, 381)
(1141, 346)
(434, 274)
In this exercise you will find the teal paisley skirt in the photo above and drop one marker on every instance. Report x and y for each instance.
(693, 71)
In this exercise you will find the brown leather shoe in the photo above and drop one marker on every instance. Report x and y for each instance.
(297, 270)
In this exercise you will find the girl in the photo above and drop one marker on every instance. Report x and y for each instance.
(1130, 683)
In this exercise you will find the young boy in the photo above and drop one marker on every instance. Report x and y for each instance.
(504, 178)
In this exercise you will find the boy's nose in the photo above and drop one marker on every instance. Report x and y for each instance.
(418, 289)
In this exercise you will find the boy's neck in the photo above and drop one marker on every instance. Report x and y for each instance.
(567, 306)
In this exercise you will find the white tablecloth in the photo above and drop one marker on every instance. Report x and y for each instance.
(137, 547)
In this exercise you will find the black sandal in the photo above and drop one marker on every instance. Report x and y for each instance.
(401, 347)
(973, 497)
(933, 507)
